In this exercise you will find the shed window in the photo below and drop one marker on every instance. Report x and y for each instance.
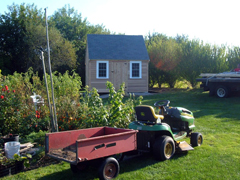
(102, 69)
(135, 69)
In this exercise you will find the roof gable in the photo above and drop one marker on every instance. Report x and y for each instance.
(116, 47)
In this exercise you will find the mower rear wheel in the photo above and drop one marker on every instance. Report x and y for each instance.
(196, 139)
(164, 148)
(109, 169)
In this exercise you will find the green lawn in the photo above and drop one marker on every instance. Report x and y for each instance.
(218, 158)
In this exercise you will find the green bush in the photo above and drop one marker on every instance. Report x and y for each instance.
(92, 112)
(35, 137)
(10, 108)
(75, 110)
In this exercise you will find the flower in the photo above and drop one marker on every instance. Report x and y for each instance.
(3, 89)
(6, 87)
(13, 91)
(1, 96)
(37, 114)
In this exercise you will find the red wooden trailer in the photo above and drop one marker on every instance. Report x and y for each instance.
(85, 145)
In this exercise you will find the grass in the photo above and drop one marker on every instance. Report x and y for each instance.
(218, 158)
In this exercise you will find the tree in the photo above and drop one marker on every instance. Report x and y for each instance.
(165, 54)
(200, 58)
(13, 29)
(22, 32)
(71, 25)
(233, 57)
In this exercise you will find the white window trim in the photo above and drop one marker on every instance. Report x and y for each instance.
(97, 72)
(140, 69)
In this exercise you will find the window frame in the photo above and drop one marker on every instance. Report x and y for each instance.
(140, 69)
(107, 70)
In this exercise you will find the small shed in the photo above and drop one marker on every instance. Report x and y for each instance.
(118, 59)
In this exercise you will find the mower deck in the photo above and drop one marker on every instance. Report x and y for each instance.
(184, 146)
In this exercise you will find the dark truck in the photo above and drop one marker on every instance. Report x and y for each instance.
(220, 84)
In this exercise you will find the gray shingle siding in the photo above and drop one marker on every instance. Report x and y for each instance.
(116, 47)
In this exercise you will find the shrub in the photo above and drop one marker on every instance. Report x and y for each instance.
(92, 112)
(10, 108)
(75, 110)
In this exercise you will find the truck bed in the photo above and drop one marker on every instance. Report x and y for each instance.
(222, 75)
(226, 77)
(88, 144)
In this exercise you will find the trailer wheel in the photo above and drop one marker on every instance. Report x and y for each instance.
(164, 148)
(109, 169)
(222, 91)
(80, 167)
(119, 157)
(196, 139)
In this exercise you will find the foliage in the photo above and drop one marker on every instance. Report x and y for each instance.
(92, 112)
(23, 32)
(5, 162)
(233, 57)
(180, 58)
(120, 113)
(23, 118)
(199, 58)
(75, 29)
(165, 54)
(14, 47)
(35, 137)
(74, 110)
(10, 108)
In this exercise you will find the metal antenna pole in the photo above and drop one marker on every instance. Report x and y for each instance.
(45, 77)
(50, 72)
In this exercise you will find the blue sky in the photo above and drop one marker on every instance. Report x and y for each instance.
(213, 21)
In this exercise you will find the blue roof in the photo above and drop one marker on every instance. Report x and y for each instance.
(116, 47)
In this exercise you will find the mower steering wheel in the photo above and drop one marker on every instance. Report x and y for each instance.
(162, 103)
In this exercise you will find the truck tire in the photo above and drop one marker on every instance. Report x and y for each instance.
(196, 139)
(164, 148)
(222, 91)
(109, 169)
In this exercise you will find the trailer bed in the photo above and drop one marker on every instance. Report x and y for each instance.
(88, 144)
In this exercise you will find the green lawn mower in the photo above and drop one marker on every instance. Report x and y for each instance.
(163, 133)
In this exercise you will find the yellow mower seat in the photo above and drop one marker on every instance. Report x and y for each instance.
(146, 114)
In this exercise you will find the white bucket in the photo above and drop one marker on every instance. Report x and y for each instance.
(11, 148)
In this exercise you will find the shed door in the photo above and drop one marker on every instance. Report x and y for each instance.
(119, 73)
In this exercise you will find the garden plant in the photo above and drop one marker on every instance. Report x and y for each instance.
(218, 155)
(76, 108)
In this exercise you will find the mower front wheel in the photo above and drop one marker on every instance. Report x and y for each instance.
(196, 139)
(164, 148)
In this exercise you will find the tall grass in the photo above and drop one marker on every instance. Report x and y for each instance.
(218, 158)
